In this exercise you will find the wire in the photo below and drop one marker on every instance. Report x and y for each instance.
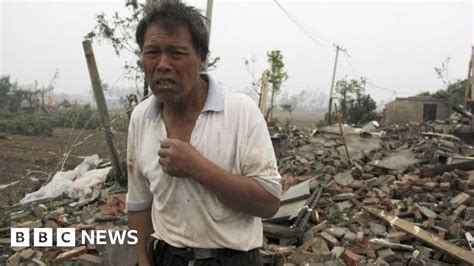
(368, 81)
(321, 42)
(306, 30)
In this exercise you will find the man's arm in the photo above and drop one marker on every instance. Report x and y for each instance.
(179, 158)
(139, 197)
(238, 192)
(141, 221)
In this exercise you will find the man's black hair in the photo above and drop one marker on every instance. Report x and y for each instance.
(172, 16)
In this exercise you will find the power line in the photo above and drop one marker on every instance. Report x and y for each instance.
(321, 42)
(368, 81)
(305, 29)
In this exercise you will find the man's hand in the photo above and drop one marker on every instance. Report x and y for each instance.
(179, 158)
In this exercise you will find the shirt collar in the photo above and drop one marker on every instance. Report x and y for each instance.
(214, 101)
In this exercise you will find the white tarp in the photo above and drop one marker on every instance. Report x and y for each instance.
(75, 183)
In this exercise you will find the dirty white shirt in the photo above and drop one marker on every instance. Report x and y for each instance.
(232, 133)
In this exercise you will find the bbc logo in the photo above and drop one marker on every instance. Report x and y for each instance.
(66, 237)
(43, 237)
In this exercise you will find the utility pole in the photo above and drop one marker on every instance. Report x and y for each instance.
(103, 112)
(338, 48)
(208, 24)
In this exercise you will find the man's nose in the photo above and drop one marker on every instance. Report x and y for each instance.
(164, 63)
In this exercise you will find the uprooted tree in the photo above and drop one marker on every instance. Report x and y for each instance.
(356, 106)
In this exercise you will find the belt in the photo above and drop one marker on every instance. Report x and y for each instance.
(191, 254)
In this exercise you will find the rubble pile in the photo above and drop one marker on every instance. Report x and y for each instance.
(398, 196)
(395, 196)
(459, 123)
(86, 203)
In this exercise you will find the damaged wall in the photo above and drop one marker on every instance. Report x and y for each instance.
(415, 109)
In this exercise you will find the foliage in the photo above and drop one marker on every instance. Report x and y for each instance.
(9, 97)
(425, 93)
(25, 124)
(80, 117)
(356, 106)
(5, 87)
(306, 100)
(85, 117)
(119, 32)
(288, 108)
(454, 92)
(13, 96)
(337, 215)
(4, 219)
(77, 117)
(276, 76)
(361, 108)
(442, 72)
(212, 64)
(346, 90)
(120, 122)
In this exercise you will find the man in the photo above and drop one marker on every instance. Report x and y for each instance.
(201, 167)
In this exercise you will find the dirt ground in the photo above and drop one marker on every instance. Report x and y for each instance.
(32, 159)
(302, 120)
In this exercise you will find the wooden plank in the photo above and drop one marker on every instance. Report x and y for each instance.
(438, 170)
(423, 235)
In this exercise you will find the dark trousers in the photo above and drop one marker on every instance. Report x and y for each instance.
(163, 254)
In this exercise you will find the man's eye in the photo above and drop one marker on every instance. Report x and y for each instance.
(151, 52)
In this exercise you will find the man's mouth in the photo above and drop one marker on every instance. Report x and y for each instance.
(165, 83)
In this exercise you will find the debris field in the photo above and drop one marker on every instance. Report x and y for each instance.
(352, 196)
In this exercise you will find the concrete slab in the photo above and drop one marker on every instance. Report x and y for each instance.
(399, 160)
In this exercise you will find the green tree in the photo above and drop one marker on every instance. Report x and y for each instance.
(453, 92)
(356, 106)
(346, 90)
(5, 87)
(10, 96)
(288, 108)
(361, 108)
(276, 76)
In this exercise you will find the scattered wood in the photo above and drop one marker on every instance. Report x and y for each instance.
(423, 235)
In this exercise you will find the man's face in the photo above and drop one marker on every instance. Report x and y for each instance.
(170, 62)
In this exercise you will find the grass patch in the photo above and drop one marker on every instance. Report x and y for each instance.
(42, 124)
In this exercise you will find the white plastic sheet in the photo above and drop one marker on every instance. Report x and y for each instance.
(75, 183)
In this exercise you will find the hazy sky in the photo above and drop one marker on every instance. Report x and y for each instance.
(396, 44)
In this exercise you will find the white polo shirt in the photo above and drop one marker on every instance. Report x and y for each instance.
(232, 133)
